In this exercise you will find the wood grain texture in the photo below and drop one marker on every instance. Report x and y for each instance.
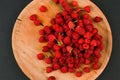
(25, 41)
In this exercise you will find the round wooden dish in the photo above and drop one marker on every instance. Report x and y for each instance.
(25, 41)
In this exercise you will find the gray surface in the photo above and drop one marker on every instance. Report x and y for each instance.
(10, 9)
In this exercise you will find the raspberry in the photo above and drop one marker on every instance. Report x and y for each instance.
(71, 24)
(69, 33)
(49, 69)
(77, 10)
(53, 21)
(81, 41)
(37, 22)
(88, 35)
(42, 39)
(43, 8)
(71, 70)
(95, 59)
(80, 30)
(87, 56)
(70, 65)
(87, 61)
(59, 20)
(42, 32)
(95, 66)
(47, 29)
(75, 36)
(87, 9)
(64, 50)
(58, 54)
(60, 37)
(55, 60)
(79, 74)
(74, 3)
(62, 60)
(64, 69)
(87, 41)
(51, 37)
(56, 66)
(85, 46)
(93, 43)
(56, 47)
(81, 60)
(94, 31)
(33, 17)
(97, 19)
(89, 27)
(74, 41)
(40, 56)
(86, 69)
(64, 13)
(74, 15)
(70, 60)
(66, 40)
(48, 60)
(45, 49)
(69, 49)
(87, 21)
(51, 78)
(86, 16)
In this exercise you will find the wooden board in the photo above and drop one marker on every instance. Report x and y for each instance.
(25, 41)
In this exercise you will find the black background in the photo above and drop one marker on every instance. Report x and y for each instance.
(10, 9)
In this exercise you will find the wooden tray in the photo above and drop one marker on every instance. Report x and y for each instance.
(25, 41)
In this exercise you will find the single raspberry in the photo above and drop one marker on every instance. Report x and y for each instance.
(87, 56)
(87, 41)
(59, 20)
(40, 56)
(69, 33)
(51, 37)
(87, 61)
(60, 38)
(75, 35)
(74, 15)
(42, 39)
(81, 48)
(71, 24)
(95, 66)
(74, 41)
(53, 21)
(56, 66)
(78, 73)
(94, 31)
(85, 46)
(74, 3)
(56, 47)
(87, 9)
(51, 78)
(89, 27)
(93, 43)
(45, 49)
(95, 60)
(64, 13)
(70, 65)
(80, 55)
(81, 41)
(55, 60)
(80, 30)
(86, 69)
(43, 8)
(86, 16)
(37, 22)
(42, 32)
(81, 60)
(64, 50)
(66, 28)
(58, 54)
(47, 29)
(62, 60)
(64, 69)
(69, 49)
(77, 60)
(71, 70)
(70, 60)
(97, 19)
(58, 15)
(48, 60)
(33, 17)
(66, 40)
(88, 35)
(49, 69)
(87, 21)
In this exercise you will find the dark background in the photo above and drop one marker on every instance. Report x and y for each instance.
(10, 9)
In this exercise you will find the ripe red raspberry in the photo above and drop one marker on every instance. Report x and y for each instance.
(33, 17)
(45, 49)
(62, 60)
(66, 40)
(40, 56)
(47, 29)
(95, 66)
(42, 39)
(71, 24)
(48, 60)
(87, 41)
(55, 60)
(69, 33)
(71, 70)
(87, 21)
(87, 9)
(95, 60)
(70, 60)
(74, 15)
(56, 66)
(58, 54)
(86, 16)
(93, 43)
(60, 37)
(74, 3)
(37, 22)
(88, 35)
(56, 47)
(69, 49)
(80, 30)
(87, 56)
(97, 19)
(74, 41)
(66, 28)
(64, 50)
(51, 37)
(89, 27)
(81, 41)
(64, 69)
(75, 35)
(94, 31)
(70, 65)
(78, 73)
(43, 8)
(49, 69)
(64, 13)
(42, 32)
(51, 78)
(52, 21)
(81, 60)
(87, 61)
(59, 20)
(85, 46)
(86, 69)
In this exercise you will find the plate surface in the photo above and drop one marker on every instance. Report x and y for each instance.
(26, 46)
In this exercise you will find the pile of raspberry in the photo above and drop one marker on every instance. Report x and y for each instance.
(72, 40)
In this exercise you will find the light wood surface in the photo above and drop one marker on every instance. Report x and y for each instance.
(26, 46)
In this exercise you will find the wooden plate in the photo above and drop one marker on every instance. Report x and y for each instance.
(25, 41)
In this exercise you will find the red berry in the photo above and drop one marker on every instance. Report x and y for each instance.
(87, 9)
(64, 69)
(87, 61)
(42, 39)
(48, 60)
(74, 15)
(64, 13)
(60, 37)
(47, 29)
(41, 32)
(87, 41)
(37, 22)
(33, 17)
(66, 40)
(69, 49)
(93, 43)
(70, 65)
(55, 60)
(51, 37)
(86, 16)
(49, 69)
(97, 19)
(58, 54)
(85, 46)
(71, 24)
(43, 8)
(56, 47)
(81, 41)
(45, 49)
(89, 28)
(79, 74)
(71, 70)
(40, 56)
(62, 60)
(95, 66)
(56, 66)
(69, 33)
(51, 78)
(53, 21)
(80, 30)
(94, 31)
(87, 56)
(70, 60)
(74, 3)
(75, 35)
(86, 69)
